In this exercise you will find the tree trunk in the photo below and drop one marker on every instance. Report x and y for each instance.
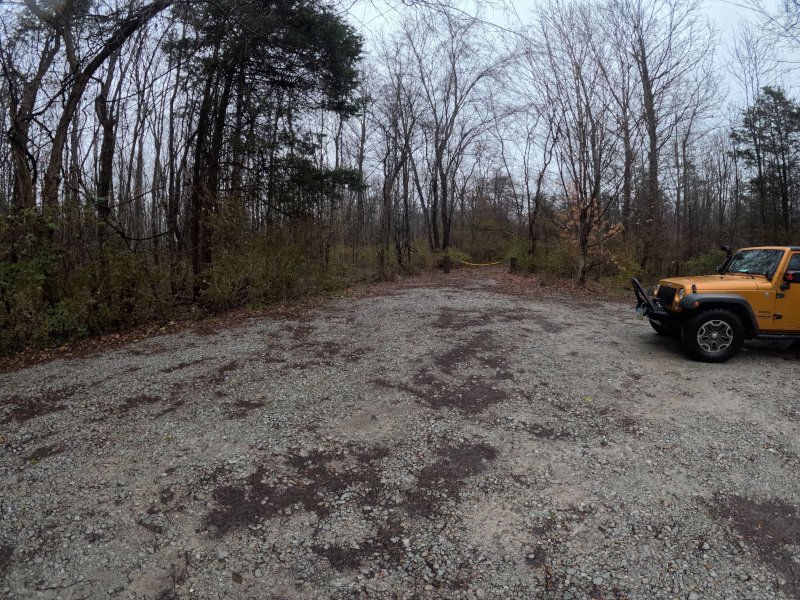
(104, 109)
(197, 201)
(21, 106)
(651, 126)
(80, 81)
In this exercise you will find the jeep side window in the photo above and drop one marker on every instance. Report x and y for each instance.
(794, 263)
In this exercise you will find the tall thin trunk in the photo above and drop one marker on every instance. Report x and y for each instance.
(107, 119)
(80, 81)
(651, 126)
(21, 106)
(199, 192)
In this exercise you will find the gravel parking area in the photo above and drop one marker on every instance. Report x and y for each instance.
(462, 436)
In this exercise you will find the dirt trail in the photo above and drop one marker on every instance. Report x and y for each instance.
(462, 436)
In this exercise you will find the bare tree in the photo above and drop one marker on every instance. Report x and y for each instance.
(672, 46)
(574, 85)
(395, 117)
(453, 67)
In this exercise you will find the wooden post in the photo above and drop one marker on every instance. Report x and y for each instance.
(512, 264)
(446, 263)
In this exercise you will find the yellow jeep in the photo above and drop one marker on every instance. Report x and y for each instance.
(755, 294)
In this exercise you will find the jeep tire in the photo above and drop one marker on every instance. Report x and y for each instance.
(713, 336)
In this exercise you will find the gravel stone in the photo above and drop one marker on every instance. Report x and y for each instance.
(471, 435)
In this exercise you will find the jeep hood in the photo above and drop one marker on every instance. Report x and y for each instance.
(717, 283)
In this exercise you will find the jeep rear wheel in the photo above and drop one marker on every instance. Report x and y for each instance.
(713, 335)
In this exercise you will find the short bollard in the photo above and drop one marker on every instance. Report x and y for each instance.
(446, 263)
(512, 264)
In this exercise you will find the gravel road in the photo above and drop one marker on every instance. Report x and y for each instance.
(461, 436)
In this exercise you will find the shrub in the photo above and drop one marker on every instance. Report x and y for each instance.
(622, 261)
(22, 302)
(703, 264)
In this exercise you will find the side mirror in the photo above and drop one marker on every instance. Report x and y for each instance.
(791, 277)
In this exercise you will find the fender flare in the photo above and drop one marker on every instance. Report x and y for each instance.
(721, 300)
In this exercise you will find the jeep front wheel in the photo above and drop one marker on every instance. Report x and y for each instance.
(713, 335)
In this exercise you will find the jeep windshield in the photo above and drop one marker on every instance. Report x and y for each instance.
(755, 262)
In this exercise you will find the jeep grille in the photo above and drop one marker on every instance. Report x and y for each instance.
(666, 295)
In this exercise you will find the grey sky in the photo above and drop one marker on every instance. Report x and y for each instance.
(374, 16)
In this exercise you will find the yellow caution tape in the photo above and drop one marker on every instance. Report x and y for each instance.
(491, 264)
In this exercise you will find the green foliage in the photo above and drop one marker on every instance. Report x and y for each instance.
(521, 249)
(50, 297)
(559, 259)
(301, 186)
(44, 299)
(703, 264)
(768, 142)
(263, 269)
(22, 303)
(622, 266)
(65, 319)
(485, 241)
(260, 273)
(555, 259)
(121, 289)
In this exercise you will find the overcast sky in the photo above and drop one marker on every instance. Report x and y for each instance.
(373, 16)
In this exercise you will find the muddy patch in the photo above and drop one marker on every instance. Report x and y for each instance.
(548, 326)
(298, 332)
(272, 359)
(175, 400)
(137, 401)
(171, 408)
(221, 374)
(626, 424)
(454, 320)
(483, 350)
(463, 353)
(386, 547)
(5, 556)
(24, 409)
(471, 397)
(772, 527)
(241, 408)
(443, 480)
(182, 365)
(318, 480)
(45, 452)
(326, 352)
(543, 323)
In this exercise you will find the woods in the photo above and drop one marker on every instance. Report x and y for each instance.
(170, 156)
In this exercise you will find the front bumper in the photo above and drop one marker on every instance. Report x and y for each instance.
(651, 308)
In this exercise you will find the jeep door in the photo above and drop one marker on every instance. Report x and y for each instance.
(789, 305)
